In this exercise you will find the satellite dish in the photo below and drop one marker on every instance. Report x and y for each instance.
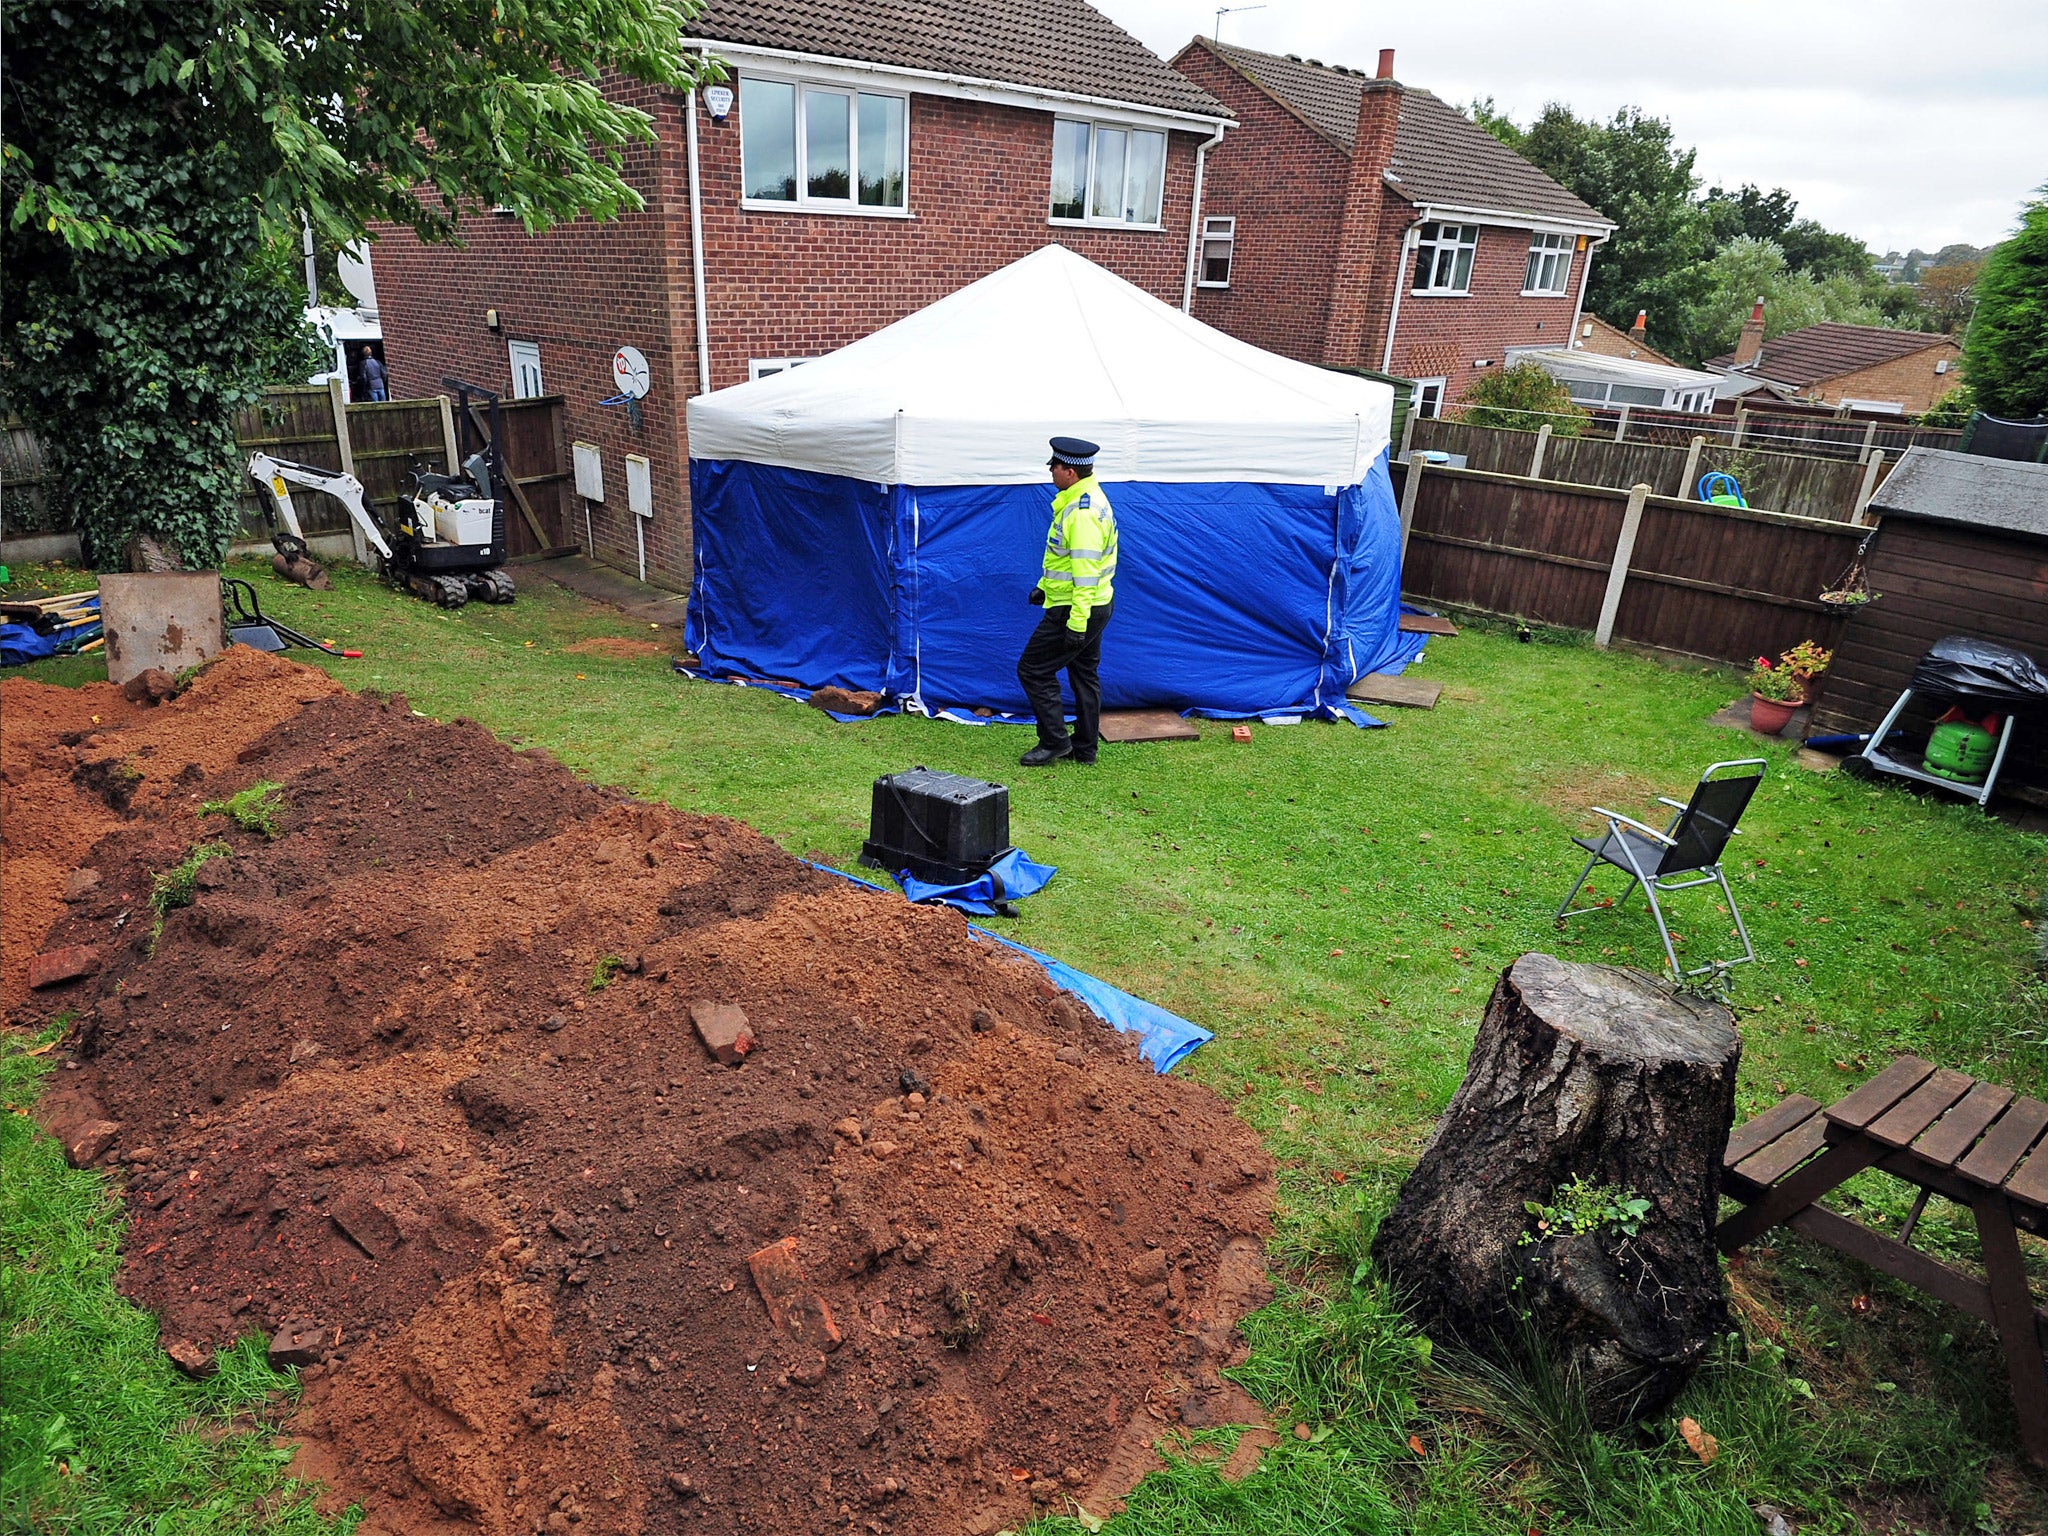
(629, 372)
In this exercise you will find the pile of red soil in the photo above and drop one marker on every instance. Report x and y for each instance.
(416, 1080)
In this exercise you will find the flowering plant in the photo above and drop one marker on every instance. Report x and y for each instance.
(1785, 681)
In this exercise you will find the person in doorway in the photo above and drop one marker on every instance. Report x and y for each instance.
(373, 376)
(1077, 588)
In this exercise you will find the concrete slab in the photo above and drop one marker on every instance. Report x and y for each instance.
(1735, 716)
(600, 583)
(1147, 725)
(1395, 688)
(166, 619)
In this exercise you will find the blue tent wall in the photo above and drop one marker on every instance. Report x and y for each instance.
(1231, 597)
(794, 577)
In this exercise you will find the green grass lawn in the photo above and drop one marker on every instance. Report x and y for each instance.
(1336, 904)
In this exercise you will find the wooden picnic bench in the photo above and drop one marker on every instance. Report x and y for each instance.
(1946, 1134)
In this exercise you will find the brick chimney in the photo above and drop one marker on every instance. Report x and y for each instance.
(1639, 332)
(1751, 345)
(1369, 244)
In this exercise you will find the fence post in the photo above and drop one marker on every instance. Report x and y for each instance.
(338, 402)
(1741, 425)
(1411, 492)
(1536, 458)
(1617, 573)
(1407, 433)
(1689, 476)
(1869, 440)
(1621, 426)
(448, 433)
(1873, 471)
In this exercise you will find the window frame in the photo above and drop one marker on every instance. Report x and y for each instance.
(518, 354)
(1542, 249)
(1130, 130)
(803, 87)
(768, 367)
(1420, 405)
(1227, 233)
(1436, 244)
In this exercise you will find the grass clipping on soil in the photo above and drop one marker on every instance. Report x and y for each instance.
(365, 1088)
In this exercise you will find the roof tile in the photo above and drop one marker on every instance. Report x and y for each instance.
(1052, 45)
(1829, 350)
(1440, 155)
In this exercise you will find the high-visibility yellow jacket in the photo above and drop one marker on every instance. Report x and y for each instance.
(1080, 552)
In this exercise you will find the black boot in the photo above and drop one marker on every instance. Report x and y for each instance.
(1044, 756)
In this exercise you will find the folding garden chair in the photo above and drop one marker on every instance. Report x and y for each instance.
(1690, 846)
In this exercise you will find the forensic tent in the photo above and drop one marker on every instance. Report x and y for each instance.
(875, 519)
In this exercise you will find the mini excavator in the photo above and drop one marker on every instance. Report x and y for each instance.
(447, 541)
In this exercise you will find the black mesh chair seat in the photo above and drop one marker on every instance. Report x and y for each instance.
(1625, 850)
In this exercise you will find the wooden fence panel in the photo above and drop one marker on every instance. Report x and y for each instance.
(533, 451)
(1776, 482)
(24, 506)
(1711, 581)
(295, 424)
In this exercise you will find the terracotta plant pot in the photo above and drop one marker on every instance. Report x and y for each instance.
(1771, 715)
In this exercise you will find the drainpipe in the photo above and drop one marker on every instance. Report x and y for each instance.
(697, 248)
(1409, 239)
(1187, 290)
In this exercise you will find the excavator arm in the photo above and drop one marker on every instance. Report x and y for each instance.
(278, 476)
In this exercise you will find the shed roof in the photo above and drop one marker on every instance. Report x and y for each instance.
(1051, 45)
(1968, 489)
(1440, 155)
(1829, 350)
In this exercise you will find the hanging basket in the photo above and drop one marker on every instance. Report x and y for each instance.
(1852, 591)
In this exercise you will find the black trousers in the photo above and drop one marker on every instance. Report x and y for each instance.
(1054, 648)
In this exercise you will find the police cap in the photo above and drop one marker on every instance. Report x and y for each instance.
(1077, 451)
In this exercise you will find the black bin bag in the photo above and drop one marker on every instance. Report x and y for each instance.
(1984, 672)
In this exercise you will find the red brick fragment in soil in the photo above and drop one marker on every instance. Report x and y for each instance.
(526, 1249)
(55, 966)
(724, 1030)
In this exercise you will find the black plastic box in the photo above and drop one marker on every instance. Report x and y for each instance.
(939, 826)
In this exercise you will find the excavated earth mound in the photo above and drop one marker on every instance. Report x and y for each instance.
(414, 1083)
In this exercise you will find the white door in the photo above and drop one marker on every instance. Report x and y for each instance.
(526, 383)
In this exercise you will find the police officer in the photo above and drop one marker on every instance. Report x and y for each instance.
(1077, 589)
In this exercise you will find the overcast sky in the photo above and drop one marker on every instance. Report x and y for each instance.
(1903, 124)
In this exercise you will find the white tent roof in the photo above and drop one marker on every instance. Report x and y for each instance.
(967, 390)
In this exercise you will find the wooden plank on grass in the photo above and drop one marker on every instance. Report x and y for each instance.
(1426, 624)
(1392, 688)
(1147, 725)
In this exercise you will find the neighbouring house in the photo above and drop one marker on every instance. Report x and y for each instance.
(856, 165)
(1596, 335)
(1862, 367)
(1355, 222)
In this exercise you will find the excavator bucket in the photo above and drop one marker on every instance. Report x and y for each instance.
(302, 570)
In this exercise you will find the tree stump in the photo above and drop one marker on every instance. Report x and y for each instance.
(1596, 1074)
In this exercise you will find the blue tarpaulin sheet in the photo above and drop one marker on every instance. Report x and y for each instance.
(1164, 1039)
(1236, 599)
(1011, 878)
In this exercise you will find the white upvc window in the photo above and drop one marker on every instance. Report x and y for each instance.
(764, 367)
(1550, 264)
(526, 379)
(824, 148)
(1107, 173)
(1443, 258)
(1426, 399)
(1219, 245)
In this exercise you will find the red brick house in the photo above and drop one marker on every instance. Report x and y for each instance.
(1352, 221)
(859, 163)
